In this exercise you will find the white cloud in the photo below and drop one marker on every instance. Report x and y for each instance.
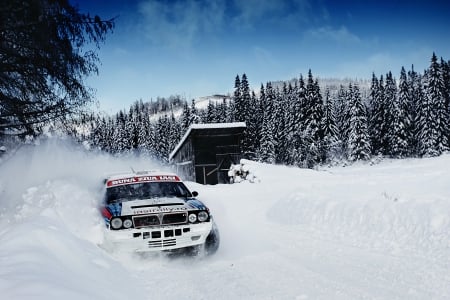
(263, 56)
(180, 24)
(340, 35)
(251, 14)
(380, 63)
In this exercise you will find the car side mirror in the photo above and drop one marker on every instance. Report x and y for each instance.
(194, 193)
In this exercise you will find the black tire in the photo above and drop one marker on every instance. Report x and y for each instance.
(212, 241)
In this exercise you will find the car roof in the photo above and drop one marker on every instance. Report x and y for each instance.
(139, 177)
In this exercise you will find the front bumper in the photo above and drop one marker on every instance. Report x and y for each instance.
(158, 238)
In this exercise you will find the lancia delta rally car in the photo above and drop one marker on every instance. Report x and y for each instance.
(148, 211)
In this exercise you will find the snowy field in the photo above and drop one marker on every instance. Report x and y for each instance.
(356, 232)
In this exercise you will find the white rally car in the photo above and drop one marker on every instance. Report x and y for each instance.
(148, 211)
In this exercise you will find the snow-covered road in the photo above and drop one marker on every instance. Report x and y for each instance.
(357, 232)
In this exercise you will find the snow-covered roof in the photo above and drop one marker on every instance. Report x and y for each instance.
(204, 126)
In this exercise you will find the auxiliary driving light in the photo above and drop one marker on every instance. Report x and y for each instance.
(192, 218)
(116, 223)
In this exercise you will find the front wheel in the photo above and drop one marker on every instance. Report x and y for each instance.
(212, 241)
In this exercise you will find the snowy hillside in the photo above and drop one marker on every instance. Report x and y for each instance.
(358, 232)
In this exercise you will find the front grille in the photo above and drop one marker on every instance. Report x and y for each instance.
(177, 218)
(144, 221)
(160, 219)
(162, 244)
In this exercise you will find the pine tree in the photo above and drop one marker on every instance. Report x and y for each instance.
(266, 152)
(390, 109)
(434, 115)
(245, 110)
(120, 140)
(237, 101)
(359, 141)
(222, 110)
(186, 117)
(143, 136)
(47, 49)
(401, 120)
(376, 116)
(297, 151)
(445, 67)
(163, 139)
(313, 131)
(174, 131)
(194, 114)
(443, 107)
(332, 144)
(253, 127)
(414, 81)
(279, 127)
(210, 116)
(342, 117)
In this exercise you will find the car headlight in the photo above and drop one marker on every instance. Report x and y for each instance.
(127, 223)
(116, 223)
(202, 216)
(192, 218)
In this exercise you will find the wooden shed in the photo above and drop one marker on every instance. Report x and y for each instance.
(206, 152)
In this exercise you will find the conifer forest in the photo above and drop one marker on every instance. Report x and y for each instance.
(301, 122)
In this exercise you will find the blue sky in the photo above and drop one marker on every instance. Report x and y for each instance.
(196, 48)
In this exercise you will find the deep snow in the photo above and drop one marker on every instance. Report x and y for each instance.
(355, 232)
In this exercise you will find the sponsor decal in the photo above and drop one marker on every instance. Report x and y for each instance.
(115, 209)
(138, 179)
(153, 210)
(196, 204)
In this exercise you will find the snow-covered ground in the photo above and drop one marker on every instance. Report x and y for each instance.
(357, 232)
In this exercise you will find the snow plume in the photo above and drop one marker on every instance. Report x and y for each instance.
(49, 217)
(39, 167)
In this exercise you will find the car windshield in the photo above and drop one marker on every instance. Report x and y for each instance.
(146, 190)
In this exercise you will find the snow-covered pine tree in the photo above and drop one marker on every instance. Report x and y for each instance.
(246, 110)
(131, 131)
(399, 138)
(237, 101)
(376, 115)
(416, 97)
(331, 142)
(222, 109)
(390, 100)
(359, 140)
(266, 151)
(295, 140)
(185, 117)
(434, 124)
(244, 114)
(120, 141)
(253, 130)
(174, 132)
(291, 119)
(194, 114)
(98, 136)
(279, 118)
(162, 138)
(143, 136)
(210, 114)
(445, 67)
(313, 131)
(258, 118)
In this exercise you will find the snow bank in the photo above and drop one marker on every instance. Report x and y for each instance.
(396, 204)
